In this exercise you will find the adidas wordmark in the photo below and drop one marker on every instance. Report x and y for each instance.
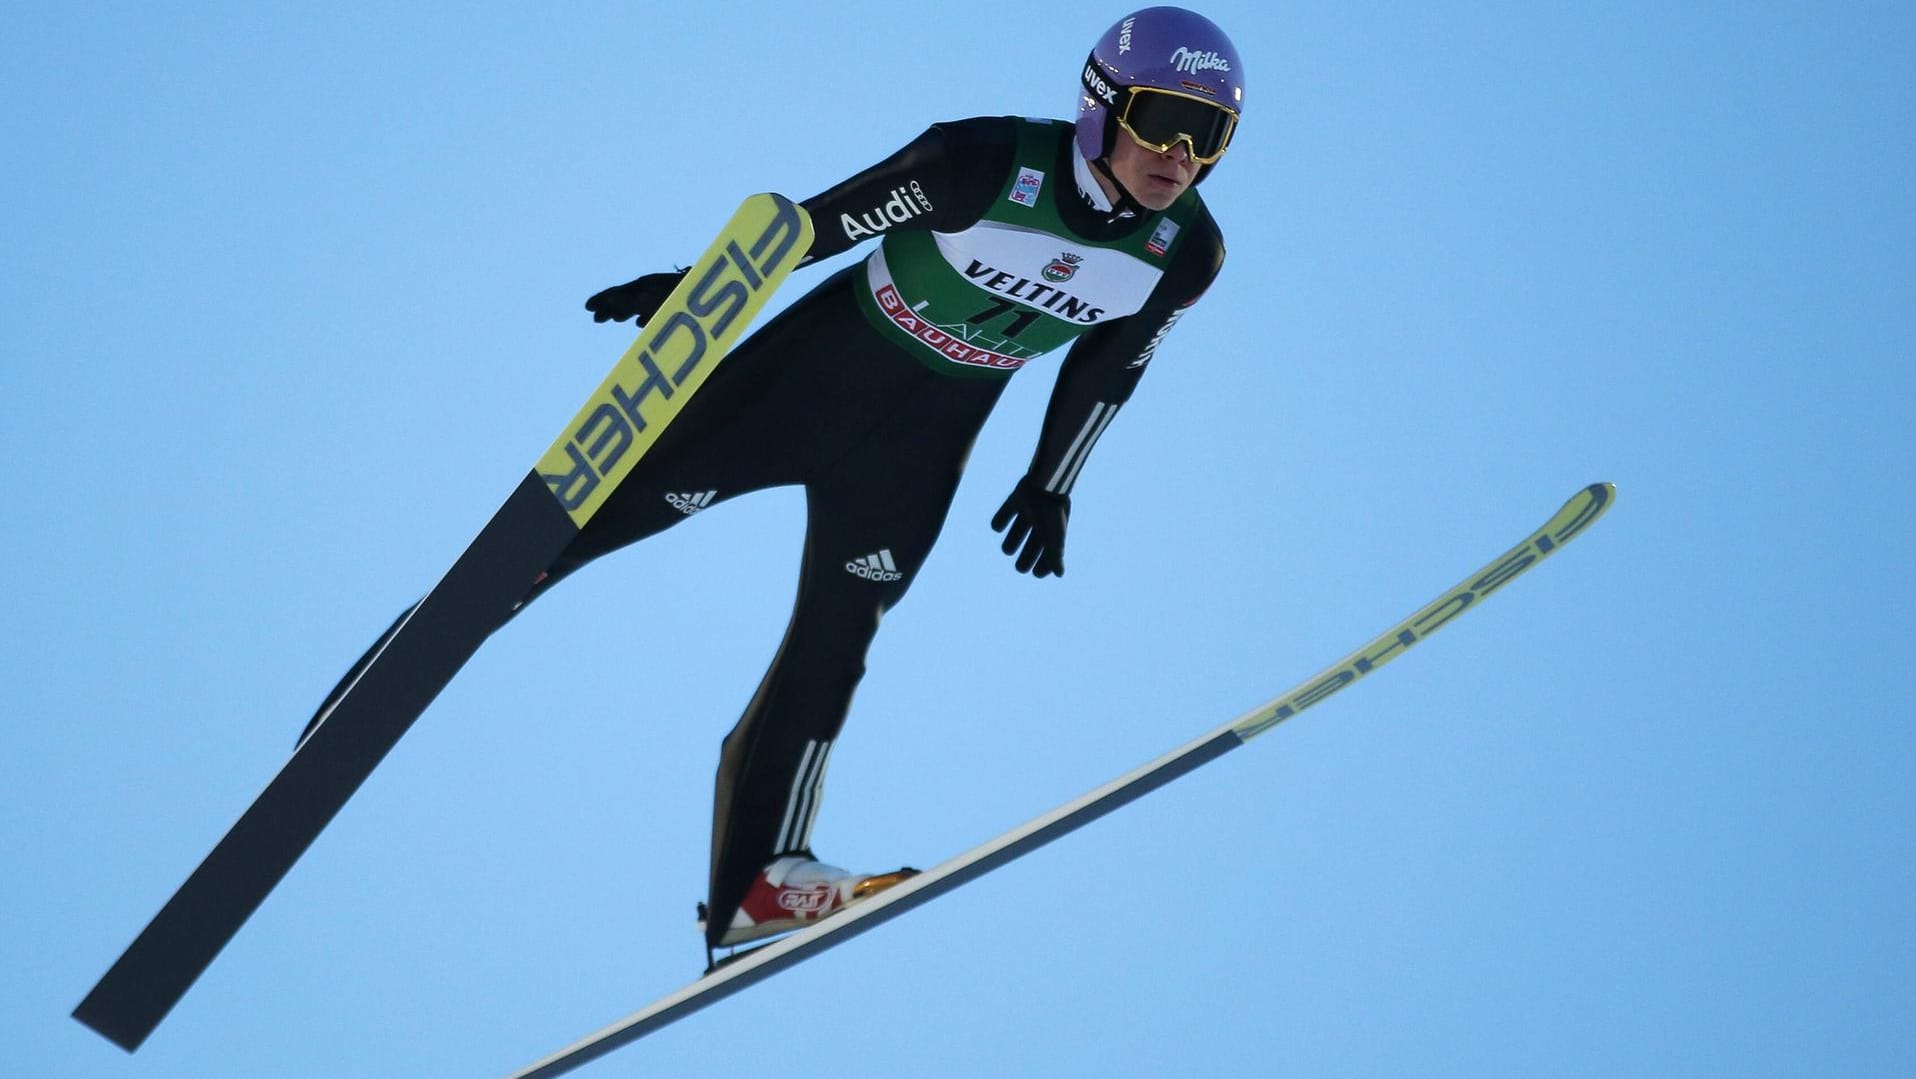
(875, 567)
(690, 504)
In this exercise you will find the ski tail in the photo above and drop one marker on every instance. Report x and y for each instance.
(381, 697)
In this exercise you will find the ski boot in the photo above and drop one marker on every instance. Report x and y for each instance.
(795, 891)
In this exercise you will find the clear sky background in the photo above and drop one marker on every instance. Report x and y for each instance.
(292, 300)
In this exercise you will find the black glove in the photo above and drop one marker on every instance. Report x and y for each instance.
(1037, 518)
(639, 298)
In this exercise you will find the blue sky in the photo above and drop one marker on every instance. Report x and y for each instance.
(292, 299)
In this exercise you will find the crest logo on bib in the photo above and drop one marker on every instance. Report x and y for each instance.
(1062, 268)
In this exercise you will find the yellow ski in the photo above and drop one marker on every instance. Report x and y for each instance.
(669, 362)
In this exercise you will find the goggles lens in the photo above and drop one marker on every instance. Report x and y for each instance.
(1160, 119)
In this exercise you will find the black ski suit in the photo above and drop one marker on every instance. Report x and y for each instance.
(877, 436)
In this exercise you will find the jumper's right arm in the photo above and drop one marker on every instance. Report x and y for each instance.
(944, 179)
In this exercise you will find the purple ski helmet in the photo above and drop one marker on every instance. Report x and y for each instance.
(1161, 76)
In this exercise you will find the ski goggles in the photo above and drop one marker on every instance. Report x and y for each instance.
(1160, 119)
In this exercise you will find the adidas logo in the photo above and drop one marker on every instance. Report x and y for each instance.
(690, 504)
(875, 567)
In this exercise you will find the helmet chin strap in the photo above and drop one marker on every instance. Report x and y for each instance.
(1126, 205)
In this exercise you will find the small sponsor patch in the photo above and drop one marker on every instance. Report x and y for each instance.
(1160, 240)
(1025, 190)
(1062, 268)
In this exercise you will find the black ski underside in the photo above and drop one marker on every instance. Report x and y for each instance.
(521, 541)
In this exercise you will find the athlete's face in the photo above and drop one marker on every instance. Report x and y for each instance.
(1154, 179)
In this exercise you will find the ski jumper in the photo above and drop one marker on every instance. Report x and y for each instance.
(868, 392)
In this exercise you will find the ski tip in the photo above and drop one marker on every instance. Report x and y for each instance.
(1598, 496)
(1603, 493)
(1578, 513)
